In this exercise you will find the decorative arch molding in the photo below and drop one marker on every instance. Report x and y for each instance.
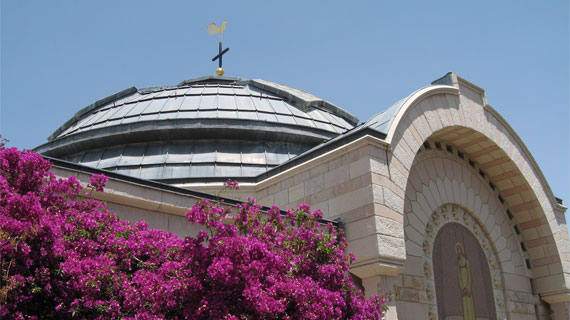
(458, 115)
(453, 213)
(440, 178)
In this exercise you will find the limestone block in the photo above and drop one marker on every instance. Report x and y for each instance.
(359, 167)
(414, 266)
(373, 225)
(296, 192)
(411, 310)
(351, 200)
(337, 176)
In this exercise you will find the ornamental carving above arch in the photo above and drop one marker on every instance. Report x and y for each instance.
(461, 268)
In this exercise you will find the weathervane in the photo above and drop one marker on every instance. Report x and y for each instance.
(212, 29)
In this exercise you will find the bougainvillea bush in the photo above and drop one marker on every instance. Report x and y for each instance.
(64, 255)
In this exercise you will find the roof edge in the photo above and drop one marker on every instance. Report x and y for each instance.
(302, 102)
(206, 78)
(110, 98)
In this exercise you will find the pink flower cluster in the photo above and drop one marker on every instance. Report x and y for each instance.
(64, 256)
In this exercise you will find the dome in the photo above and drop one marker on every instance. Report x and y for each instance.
(210, 128)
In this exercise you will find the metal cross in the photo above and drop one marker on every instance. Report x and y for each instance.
(212, 29)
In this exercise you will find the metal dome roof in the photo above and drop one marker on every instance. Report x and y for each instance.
(210, 127)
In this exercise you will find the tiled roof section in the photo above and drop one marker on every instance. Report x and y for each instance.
(211, 98)
(189, 159)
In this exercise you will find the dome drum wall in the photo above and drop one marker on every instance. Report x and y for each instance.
(182, 161)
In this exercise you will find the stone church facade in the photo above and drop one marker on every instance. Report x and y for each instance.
(440, 200)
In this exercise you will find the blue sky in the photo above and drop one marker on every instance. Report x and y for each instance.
(59, 56)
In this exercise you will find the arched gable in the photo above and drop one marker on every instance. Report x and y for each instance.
(459, 117)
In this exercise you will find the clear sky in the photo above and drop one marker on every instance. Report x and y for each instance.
(59, 56)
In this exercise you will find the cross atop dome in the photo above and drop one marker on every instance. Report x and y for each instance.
(212, 29)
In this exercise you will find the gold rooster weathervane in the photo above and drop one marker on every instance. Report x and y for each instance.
(212, 29)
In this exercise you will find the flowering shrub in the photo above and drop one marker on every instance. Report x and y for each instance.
(66, 256)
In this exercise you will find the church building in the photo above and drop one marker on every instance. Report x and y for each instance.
(440, 200)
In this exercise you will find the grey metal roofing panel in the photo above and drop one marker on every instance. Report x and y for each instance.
(130, 120)
(132, 155)
(91, 158)
(315, 114)
(213, 90)
(382, 121)
(209, 103)
(227, 171)
(155, 106)
(247, 115)
(285, 119)
(113, 122)
(223, 90)
(205, 170)
(122, 111)
(155, 154)
(295, 111)
(148, 117)
(99, 125)
(172, 104)
(330, 118)
(226, 102)
(190, 103)
(168, 115)
(134, 172)
(227, 114)
(262, 105)
(277, 154)
(279, 106)
(94, 118)
(305, 122)
(179, 153)
(152, 173)
(324, 126)
(179, 171)
(344, 123)
(244, 103)
(204, 152)
(267, 117)
(139, 108)
(251, 171)
(208, 114)
(228, 157)
(163, 94)
(254, 155)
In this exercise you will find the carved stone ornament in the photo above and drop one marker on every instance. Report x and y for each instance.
(500, 301)
(467, 219)
(427, 270)
(456, 213)
(497, 281)
(427, 247)
(445, 212)
(436, 220)
(430, 231)
(430, 293)
(476, 230)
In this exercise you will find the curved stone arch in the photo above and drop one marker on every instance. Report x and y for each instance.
(439, 178)
(453, 213)
(460, 116)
